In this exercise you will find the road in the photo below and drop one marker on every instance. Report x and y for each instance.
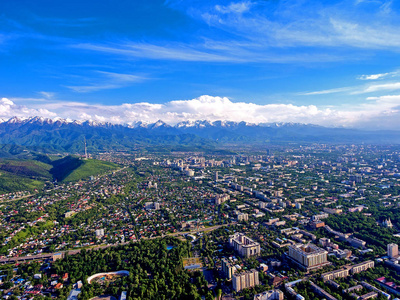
(72, 252)
(16, 199)
(201, 230)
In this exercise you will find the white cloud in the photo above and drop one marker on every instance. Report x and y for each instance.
(171, 51)
(260, 34)
(378, 76)
(237, 8)
(229, 51)
(306, 24)
(109, 80)
(85, 116)
(329, 91)
(373, 76)
(268, 33)
(362, 89)
(6, 102)
(375, 112)
(378, 87)
(363, 35)
(48, 95)
(9, 109)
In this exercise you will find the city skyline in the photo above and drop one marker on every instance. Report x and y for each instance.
(330, 64)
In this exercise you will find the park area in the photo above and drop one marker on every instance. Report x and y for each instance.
(192, 263)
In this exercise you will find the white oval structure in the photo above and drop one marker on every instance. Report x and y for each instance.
(106, 274)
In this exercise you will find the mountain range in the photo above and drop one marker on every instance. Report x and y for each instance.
(68, 135)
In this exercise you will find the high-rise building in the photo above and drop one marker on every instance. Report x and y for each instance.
(219, 199)
(242, 217)
(228, 269)
(393, 250)
(309, 256)
(245, 246)
(245, 280)
(216, 176)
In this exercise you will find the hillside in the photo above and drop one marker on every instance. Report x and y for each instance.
(72, 168)
(11, 183)
(27, 168)
(30, 174)
(89, 168)
(63, 167)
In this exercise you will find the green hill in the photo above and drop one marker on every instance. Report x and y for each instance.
(71, 168)
(90, 167)
(27, 168)
(63, 167)
(30, 174)
(12, 183)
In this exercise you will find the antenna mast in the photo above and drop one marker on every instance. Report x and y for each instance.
(86, 156)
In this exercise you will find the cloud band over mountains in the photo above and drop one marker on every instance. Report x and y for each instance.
(378, 110)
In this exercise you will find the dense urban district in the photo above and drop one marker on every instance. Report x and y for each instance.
(281, 222)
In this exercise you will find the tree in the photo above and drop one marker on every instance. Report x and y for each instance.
(218, 291)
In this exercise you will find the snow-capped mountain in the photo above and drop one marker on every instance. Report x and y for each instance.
(67, 135)
(158, 124)
(138, 124)
(192, 124)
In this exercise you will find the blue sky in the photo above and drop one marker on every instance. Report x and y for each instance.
(333, 63)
